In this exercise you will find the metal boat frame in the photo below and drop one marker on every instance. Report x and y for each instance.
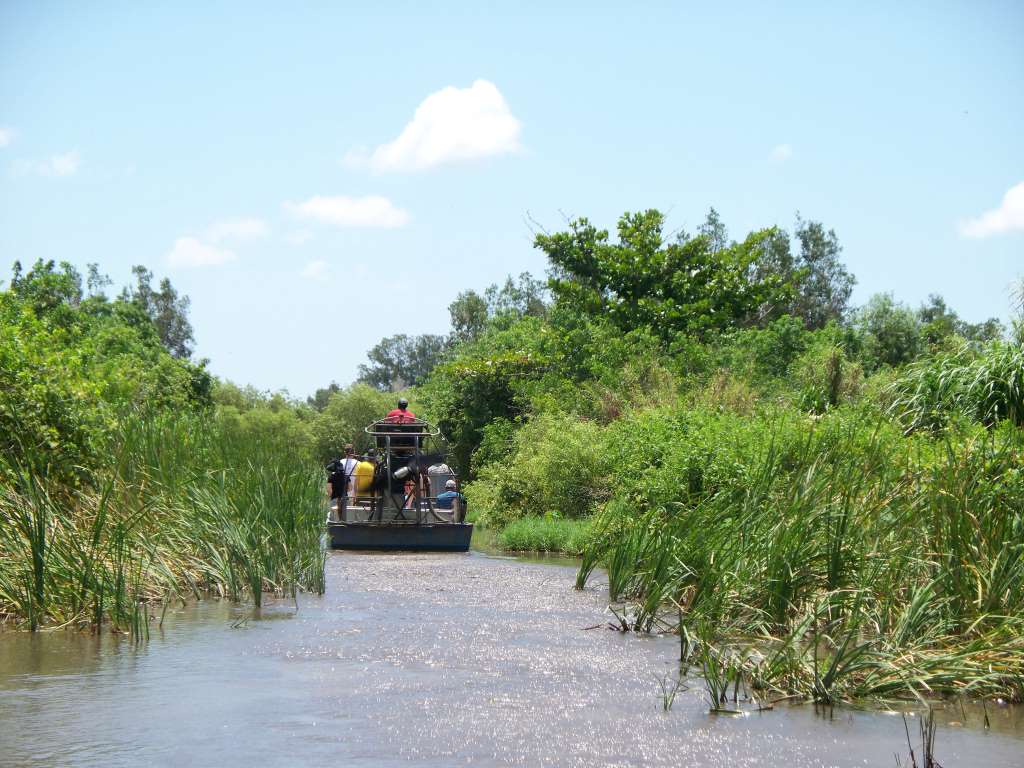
(403, 515)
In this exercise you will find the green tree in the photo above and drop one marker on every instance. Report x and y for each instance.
(69, 366)
(825, 285)
(937, 319)
(692, 286)
(97, 281)
(322, 396)
(715, 231)
(344, 418)
(523, 297)
(890, 332)
(470, 313)
(940, 322)
(167, 310)
(469, 316)
(401, 361)
(51, 291)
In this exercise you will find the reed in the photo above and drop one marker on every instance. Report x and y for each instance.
(180, 508)
(987, 386)
(858, 565)
(669, 690)
(926, 732)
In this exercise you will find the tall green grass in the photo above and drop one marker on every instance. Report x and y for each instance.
(545, 534)
(181, 507)
(856, 562)
(986, 387)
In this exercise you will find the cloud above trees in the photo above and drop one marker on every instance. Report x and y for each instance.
(208, 250)
(372, 211)
(1008, 217)
(190, 252)
(453, 125)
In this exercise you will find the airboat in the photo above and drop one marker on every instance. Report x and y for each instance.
(406, 506)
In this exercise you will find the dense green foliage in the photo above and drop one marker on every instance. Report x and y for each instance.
(127, 473)
(778, 529)
(401, 361)
(764, 467)
(69, 364)
(546, 534)
(820, 499)
(984, 386)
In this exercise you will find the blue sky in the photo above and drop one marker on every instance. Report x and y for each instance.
(292, 170)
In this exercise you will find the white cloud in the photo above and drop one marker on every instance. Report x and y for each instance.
(371, 211)
(1008, 217)
(66, 164)
(189, 252)
(316, 270)
(62, 165)
(451, 125)
(6, 136)
(299, 237)
(236, 229)
(781, 153)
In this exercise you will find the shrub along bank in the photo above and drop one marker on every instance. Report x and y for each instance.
(120, 483)
(828, 502)
(838, 555)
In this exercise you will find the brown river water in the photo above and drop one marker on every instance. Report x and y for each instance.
(426, 660)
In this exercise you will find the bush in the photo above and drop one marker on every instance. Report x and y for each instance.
(890, 333)
(764, 353)
(546, 534)
(825, 377)
(558, 467)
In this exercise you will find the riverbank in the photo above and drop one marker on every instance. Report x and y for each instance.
(834, 558)
(426, 660)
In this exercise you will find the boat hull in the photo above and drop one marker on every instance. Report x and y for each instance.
(443, 537)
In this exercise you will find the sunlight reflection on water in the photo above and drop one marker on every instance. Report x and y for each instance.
(417, 658)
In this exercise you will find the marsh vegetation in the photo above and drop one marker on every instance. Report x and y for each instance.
(822, 500)
(122, 488)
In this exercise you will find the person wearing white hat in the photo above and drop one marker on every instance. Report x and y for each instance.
(447, 499)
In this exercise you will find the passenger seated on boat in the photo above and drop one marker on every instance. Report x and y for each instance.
(364, 474)
(447, 499)
(401, 414)
(439, 474)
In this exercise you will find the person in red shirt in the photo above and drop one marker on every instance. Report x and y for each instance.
(401, 414)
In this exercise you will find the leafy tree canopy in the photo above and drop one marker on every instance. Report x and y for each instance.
(165, 308)
(694, 286)
(523, 297)
(70, 364)
(401, 361)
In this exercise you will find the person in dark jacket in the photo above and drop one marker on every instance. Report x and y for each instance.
(337, 482)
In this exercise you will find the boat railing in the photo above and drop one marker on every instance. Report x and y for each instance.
(407, 427)
(410, 477)
(418, 502)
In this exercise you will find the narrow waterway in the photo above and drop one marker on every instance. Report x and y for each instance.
(436, 660)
